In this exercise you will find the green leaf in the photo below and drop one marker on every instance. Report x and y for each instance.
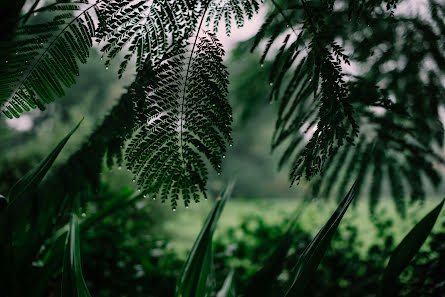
(314, 252)
(406, 250)
(30, 181)
(263, 281)
(228, 288)
(73, 284)
(196, 277)
(16, 217)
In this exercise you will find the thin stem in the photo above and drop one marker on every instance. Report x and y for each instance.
(284, 16)
(32, 10)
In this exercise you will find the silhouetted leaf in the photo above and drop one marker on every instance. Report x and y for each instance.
(314, 252)
(407, 249)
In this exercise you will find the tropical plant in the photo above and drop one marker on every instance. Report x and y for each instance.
(354, 122)
(174, 121)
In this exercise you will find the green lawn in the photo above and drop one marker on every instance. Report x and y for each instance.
(183, 225)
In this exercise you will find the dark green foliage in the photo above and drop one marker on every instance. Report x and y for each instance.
(180, 119)
(317, 98)
(406, 250)
(307, 77)
(25, 222)
(197, 278)
(73, 284)
(44, 58)
(144, 28)
(310, 259)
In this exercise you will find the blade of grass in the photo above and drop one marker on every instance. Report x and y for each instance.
(228, 288)
(195, 277)
(30, 181)
(263, 281)
(32, 217)
(15, 215)
(407, 249)
(73, 283)
(314, 252)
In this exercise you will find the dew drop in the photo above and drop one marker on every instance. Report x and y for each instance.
(187, 206)
(6, 61)
(119, 168)
(145, 196)
(106, 67)
(230, 144)
(139, 190)
(287, 26)
(174, 209)
(224, 156)
(134, 180)
(262, 65)
(271, 84)
(219, 173)
(84, 214)
(154, 198)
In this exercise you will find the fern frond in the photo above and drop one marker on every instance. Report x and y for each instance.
(44, 58)
(185, 117)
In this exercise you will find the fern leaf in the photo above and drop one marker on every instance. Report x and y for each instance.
(44, 58)
(184, 119)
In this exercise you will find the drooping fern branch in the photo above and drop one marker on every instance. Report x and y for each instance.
(317, 81)
(185, 116)
(398, 131)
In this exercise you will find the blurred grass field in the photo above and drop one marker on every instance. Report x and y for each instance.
(184, 225)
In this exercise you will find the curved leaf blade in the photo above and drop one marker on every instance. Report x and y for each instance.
(31, 180)
(73, 283)
(196, 277)
(263, 281)
(407, 249)
(314, 252)
(228, 288)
